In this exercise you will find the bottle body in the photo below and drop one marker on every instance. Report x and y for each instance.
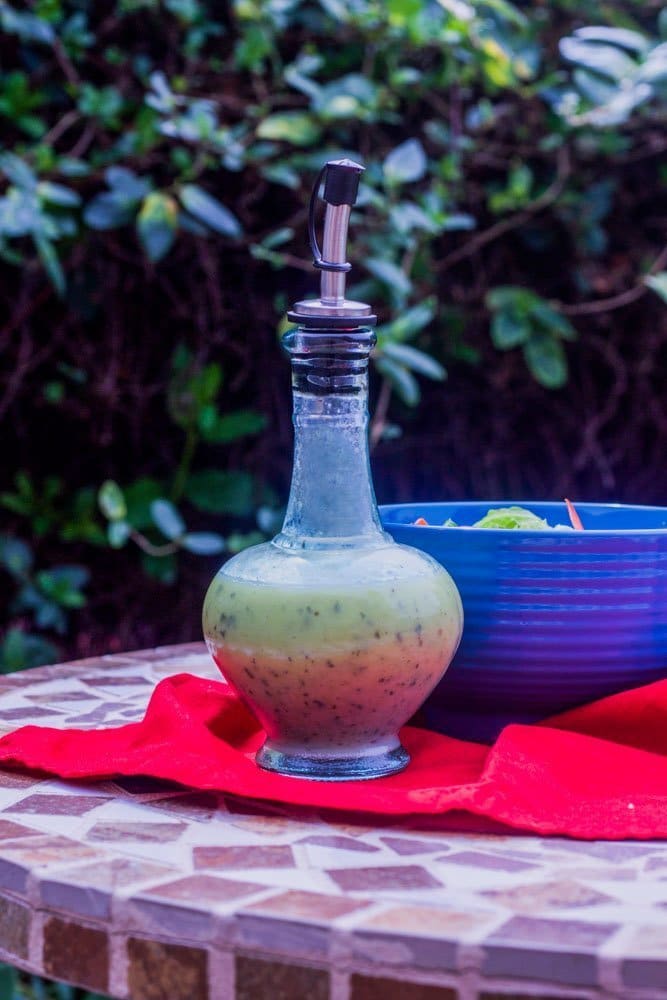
(332, 633)
(335, 651)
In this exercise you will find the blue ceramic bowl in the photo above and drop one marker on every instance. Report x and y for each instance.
(553, 619)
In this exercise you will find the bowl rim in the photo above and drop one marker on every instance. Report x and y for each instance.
(537, 506)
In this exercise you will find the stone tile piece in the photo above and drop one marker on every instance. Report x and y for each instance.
(372, 988)
(158, 971)
(14, 927)
(339, 843)
(8, 779)
(58, 805)
(76, 953)
(417, 936)
(63, 695)
(106, 710)
(390, 877)
(645, 973)
(600, 873)
(199, 806)
(257, 979)
(271, 826)
(87, 890)
(27, 712)
(654, 864)
(647, 968)
(427, 920)
(565, 933)
(46, 850)
(312, 906)
(244, 856)
(555, 951)
(609, 850)
(203, 889)
(11, 831)
(536, 898)
(114, 680)
(409, 846)
(492, 862)
(121, 832)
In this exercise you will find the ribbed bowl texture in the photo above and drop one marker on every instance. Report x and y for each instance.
(553, 619)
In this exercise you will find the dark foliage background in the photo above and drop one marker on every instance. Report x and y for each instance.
(158, 158)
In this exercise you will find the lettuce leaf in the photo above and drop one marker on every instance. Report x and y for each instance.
(517, 518)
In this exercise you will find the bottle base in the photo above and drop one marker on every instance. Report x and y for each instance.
(352, 768)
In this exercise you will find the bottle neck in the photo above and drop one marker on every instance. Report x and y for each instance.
(332, 502)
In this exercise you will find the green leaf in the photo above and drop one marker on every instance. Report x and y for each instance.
(58, 194)
(107, 211)
(405, 163)
(111, 501)
(28, 27)
(297, 127)
(624, 38)
(54, 392)
(157, 223)
(458, 222)
(15, 556)
(607, 60)
(658, 282)
(521, 300)
(139, 496)
(402, 11)
(206, 383)
(546, 360)
(209, 210)
(218, 492)
(19, 651)
(18, 172)
(553, 320)
(62, 585)
(508, 330)
(202, 543)
(167, 519)
(512, 518)
(49, 258)
(400, 379)
(390, 275)
(233, 426)
(415, 360)
(118, 533)
(126, 185)
(408, 323)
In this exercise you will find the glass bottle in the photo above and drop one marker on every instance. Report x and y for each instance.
(332, 633)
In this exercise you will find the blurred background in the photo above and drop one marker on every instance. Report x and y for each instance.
(157, 159)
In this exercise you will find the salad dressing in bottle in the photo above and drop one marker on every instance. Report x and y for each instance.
(332, 633)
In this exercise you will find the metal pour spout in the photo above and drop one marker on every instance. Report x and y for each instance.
(334, 245)
(332, 309)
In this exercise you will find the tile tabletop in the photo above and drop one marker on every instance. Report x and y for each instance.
(140, 889)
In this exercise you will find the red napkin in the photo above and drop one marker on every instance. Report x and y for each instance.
(597, 772)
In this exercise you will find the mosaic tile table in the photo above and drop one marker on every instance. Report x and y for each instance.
(143, 890)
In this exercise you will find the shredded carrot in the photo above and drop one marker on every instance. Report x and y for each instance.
(421, 521)
(575, 520)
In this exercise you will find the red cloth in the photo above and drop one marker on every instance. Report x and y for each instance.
(597, 772)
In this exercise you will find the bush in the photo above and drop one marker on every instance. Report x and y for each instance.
(157, 164)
